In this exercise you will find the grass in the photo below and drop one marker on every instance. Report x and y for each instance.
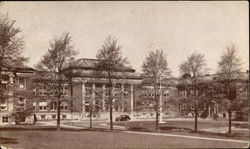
(186, 128)
(4, 140)
(81, 139)
(41, 137)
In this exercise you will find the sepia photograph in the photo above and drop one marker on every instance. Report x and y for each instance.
(124, 74)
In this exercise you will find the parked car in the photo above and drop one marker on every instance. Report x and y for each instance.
(122, 118)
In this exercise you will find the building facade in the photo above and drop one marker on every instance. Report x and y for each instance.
(32, 94)
(16, 82)
(84, 92)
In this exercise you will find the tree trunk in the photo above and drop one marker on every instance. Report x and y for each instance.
(71, 95)
(111, 107)
(195, 117)
(1, 88)
(229, 121)
(156, 110)
(156, 121)
(58, 114)
(111, 116)
(90, 118)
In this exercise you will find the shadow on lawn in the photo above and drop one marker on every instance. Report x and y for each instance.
(235, 135)
(176, 129)
(187, 131)
(49, 128)
(4, 140)
(138, 128)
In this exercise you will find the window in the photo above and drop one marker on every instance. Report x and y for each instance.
(165, 104)
(192, 106)
(22, 83)
(65, 90)
(183, 106)
(42, 106)
(4, 86)
(43, 117)
(87, 106)
(166, 93)
(53, 116)
(5, 119)
(53, 105)
(34, 106)
(3, 106)
(185, 93)
(63, 117)
(42, 91)
(64, 106)
(22, 102)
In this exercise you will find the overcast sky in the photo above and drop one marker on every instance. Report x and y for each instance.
(179, 28)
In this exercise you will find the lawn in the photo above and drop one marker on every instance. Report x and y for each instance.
(81, 139)
(186, 128)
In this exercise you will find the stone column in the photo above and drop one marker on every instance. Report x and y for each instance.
(93, 97)
(83, 97)
(214, 109)
(37, 105)
(11, 79)
(103, 96)
(209, 110)
(10, 101)
(49, 105)
(217, 109)
(132, 98)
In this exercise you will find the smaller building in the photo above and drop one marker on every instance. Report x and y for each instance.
(15, 82)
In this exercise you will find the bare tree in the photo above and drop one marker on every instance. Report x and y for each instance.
(194, 67)
(229, 68)
(57, 59)
(156, 67)
(11, 46)
(110, 64)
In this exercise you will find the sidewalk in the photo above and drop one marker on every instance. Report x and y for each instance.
(98, 125)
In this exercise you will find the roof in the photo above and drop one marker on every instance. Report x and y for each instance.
(90, 64)
(171, 81)
(209, 77)
(17, 68)
(243, 76)
(135, 76)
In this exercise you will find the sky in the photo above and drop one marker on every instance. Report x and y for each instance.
(178, 28)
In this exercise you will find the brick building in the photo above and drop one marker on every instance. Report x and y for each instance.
(16, 81)
(208, 105)
(83, 91)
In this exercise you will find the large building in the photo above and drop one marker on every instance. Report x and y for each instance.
(83, 91)
(33, 93)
